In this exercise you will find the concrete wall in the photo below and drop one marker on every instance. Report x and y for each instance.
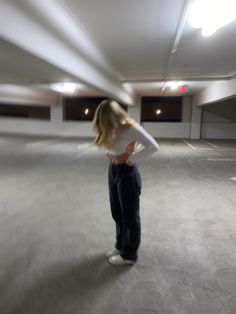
(84, 129)
(39, 127)
(168, 129)
(219, 120)
(55, 127)
(173, 129)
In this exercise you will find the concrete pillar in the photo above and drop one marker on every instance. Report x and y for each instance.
(196, 117)
(57, 111)
(135, 111)
(186, 114)
(186, 109)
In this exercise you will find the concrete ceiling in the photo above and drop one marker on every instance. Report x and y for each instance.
(132, 34)
(135, 38)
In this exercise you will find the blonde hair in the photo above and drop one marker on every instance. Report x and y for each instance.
(109, 119)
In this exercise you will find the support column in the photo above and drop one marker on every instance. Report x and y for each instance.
(186, 115)
(196, 119)
(57, 111)
(135, 111)
(187, 108)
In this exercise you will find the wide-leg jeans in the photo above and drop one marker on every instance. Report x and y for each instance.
(124, 192)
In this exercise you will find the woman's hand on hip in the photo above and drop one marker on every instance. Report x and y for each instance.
(118, 159)
(121, 159)
(110, 156)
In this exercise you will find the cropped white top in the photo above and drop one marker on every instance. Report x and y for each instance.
(134, 133)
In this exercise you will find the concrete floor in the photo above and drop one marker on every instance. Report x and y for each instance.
(55, 227)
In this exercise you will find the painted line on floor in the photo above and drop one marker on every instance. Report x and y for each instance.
(41, 143)
(233, 178)
(222, 159)
(190, 145)
(85, 145)
(210, 143)
(219, 148)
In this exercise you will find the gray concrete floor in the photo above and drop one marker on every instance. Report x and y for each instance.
(55, 227)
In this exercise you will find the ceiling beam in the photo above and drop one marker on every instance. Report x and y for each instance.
(182, 78)
(14, 94)
(216, 91)
(47, 30)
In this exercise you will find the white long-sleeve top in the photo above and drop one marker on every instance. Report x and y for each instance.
(134, 133)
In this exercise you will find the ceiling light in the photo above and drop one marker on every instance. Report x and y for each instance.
(65, 87)
(158, 111)
(210, 15)
(173, 84)
(69, 87)
(86, 111)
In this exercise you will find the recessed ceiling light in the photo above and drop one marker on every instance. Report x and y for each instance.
(158, 111)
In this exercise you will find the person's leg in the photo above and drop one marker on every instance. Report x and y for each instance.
(116, 210)
(129, 189)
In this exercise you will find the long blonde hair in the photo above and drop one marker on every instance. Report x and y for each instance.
(109, 119)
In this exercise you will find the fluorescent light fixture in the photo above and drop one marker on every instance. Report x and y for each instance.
(173, 84)
(65, 87)
(210, 15)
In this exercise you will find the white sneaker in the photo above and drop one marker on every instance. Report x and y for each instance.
(117, 260)
(112, 252)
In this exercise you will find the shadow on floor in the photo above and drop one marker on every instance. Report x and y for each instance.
(66, 287)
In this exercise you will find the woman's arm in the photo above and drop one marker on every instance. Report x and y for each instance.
(141, 136)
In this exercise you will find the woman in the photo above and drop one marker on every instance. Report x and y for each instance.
(118, 134)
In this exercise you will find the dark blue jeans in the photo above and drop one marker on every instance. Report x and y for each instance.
(124, 191)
